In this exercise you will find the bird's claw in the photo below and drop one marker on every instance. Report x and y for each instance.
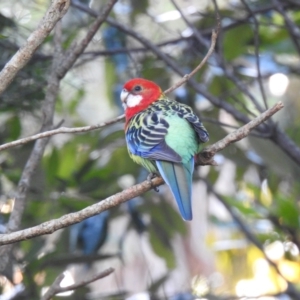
(151, 176)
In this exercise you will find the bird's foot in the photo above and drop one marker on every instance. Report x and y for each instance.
(151, 176)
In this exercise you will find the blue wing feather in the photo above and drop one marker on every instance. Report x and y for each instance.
(148, 140)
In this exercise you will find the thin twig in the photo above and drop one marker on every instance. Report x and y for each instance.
(222, 124)
(256, 50)
(290, 25)
(132, 192)
(55, 288)
(206, 156)
(58, 131)
(186, 77)
(55, 12)
(76, 50)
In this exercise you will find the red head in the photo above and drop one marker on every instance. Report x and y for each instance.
(137, 95)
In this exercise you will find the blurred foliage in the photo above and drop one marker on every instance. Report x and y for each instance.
(79, 170)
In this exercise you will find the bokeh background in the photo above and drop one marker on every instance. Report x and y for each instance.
(243, 242)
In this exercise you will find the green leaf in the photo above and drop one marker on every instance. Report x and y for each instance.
(51, 164)
(244, 207)
(236, 40)
(287, 211)
(13, 126)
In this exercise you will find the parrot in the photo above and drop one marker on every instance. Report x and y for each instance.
(164, 137)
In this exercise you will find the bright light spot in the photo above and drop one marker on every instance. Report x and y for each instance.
(18, 12)
(13, 292)
(41, 255)
(44, 290)
(95, 154)
(261, 267)
(7, 207)
(266, 194)
(18, 276)
(126, 181)
(122, 8)
(216, 280)
(39, 277)
(219, 159)
(6, 12)
(23, 15)
(278, 84)
(187, 32)
(248, 288)
(275, 251)
(168, 16)
(262, 283)
(290, 270)
(200, 285)
(139, 296)
(291, 248)
(68, 280)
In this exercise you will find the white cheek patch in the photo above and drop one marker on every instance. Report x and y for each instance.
(133, 100)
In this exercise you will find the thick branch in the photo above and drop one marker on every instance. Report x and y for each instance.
(59, 68)
(132, 192)
(55, 12)
(48, 108)
(35, 155)
(72, 218)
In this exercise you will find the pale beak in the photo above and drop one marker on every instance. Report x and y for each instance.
(123, 96)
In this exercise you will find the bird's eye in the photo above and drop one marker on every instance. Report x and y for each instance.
(137, 88)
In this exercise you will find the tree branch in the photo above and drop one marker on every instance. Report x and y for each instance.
(207, 154)
(132, 192)
(55, 12)
(211, 49)
(55, 288)
(35, 155)
(58, 131)
(291, 27)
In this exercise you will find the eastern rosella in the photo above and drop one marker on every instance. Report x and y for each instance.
(163, 136)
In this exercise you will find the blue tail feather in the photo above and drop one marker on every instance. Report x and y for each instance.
(179, 178)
